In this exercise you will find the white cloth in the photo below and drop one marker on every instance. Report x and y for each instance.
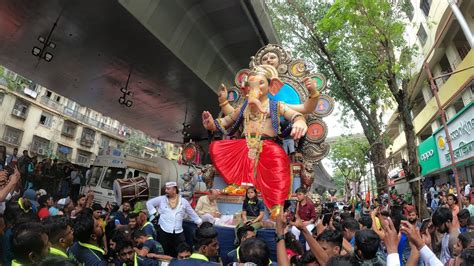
(467, 190)
(171, 220)
(428, 257)
(296, 232)
(393, 259)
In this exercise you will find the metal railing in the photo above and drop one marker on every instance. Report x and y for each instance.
(77, 115)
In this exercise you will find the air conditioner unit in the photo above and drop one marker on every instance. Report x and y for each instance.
(17, 113)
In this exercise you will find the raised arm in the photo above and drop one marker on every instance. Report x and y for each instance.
(226, 108)
(316, 249)
(14, 178)
(225, 122)
(310, 104)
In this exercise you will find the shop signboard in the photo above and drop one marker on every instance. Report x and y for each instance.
(461, 131)
(428, 156)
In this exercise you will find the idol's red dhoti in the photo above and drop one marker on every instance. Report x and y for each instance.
(273, 178)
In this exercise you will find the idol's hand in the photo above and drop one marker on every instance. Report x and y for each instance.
(299, 129)
(208, 121)
(222, 94)
(310, 85)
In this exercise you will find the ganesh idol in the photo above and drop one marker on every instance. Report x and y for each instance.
(256, 158)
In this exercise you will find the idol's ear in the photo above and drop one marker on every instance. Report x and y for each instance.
(275, 86)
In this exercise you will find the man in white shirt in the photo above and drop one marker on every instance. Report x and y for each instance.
(172, 209)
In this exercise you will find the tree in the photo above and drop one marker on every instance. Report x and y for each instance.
(355, 44)
(134, 144)
(350, 156)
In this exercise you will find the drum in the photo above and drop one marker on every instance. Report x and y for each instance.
(131, 189)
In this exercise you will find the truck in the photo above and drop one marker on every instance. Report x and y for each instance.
(106, 169)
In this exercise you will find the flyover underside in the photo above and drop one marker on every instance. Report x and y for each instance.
(177, 52)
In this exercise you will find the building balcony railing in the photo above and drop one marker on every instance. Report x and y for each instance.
(11, 140)
(86, 142)
(79, 116)
(68, 134)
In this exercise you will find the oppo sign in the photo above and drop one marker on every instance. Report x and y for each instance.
(427, 155)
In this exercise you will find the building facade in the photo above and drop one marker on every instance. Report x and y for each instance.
(49, 125)
(444, 47)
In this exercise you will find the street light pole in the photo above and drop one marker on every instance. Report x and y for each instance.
(442, 113)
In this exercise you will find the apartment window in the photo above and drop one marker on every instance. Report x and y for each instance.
(20, 109)
(39, 145)
(83, 157)
(12, 135)
(64, 153)
(58, 98)
(49, 94)
(422, 36)
(2, 96)
(69, 129)
(88, 136)
(104, 142)
(46, 119)
(425, 6)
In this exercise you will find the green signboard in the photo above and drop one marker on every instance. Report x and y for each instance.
(428, 156)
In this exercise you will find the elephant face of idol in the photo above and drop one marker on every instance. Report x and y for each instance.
(259, 84)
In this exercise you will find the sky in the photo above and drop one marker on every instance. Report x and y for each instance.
(336, 128)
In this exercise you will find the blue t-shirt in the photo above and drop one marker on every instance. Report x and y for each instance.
(153, 247)
(253, 208)
(149, 230)
(87, 254)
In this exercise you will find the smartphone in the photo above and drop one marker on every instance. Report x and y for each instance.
(290, 209)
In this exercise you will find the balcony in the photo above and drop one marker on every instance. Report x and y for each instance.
(77, 115)
(19, 113)
(13, 140)
(86, 142)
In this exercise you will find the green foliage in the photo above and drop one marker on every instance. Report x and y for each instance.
(134, 144)
(349, 154)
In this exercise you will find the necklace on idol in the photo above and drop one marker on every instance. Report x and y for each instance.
(254, 141)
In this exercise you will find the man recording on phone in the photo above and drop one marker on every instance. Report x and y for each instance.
(305, 211)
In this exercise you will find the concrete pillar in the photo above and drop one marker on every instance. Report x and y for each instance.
(467, 96)
(453, 55)
(435, 125)
(450, 112)
(436, 72)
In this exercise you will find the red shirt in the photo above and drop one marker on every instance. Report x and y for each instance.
(43, 213)
(307, 212)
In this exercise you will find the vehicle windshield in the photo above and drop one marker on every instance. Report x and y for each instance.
(95, 175)
(110, 175)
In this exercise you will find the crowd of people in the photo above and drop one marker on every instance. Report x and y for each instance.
(48, 226)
